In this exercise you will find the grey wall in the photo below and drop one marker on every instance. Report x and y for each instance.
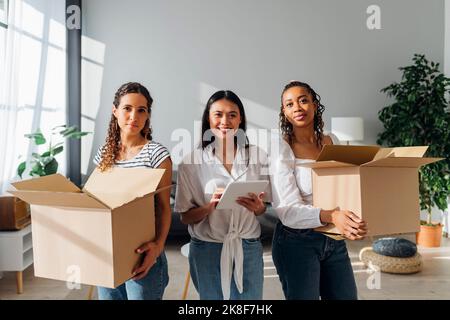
(447, 38)
(184, 50)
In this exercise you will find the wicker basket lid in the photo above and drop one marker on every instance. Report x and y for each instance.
(391, 264)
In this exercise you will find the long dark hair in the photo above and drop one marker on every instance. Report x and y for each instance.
(232, 97)
(287, 128)
(112, 143)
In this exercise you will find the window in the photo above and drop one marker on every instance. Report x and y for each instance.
(3, 26)
(32, 52)
(4, 13)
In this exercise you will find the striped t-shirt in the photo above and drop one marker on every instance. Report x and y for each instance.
(150, 156)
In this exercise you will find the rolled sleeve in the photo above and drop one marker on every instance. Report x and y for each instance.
(287, 200)
(184, 199)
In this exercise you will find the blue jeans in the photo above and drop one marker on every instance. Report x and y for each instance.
(204, 264)
(312, 266)
(151, 287)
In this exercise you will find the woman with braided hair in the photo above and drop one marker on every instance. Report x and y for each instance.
(310, 264)
(129, 144)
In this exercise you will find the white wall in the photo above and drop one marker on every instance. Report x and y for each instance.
(185, 50)
(447, 39)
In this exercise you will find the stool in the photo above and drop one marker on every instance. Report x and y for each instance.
(90, 292)
(391, 264)
(185, 252)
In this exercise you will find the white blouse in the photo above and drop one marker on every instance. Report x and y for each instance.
(292, 188)
(199, 174)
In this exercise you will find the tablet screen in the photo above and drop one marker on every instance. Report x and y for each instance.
(240, 189)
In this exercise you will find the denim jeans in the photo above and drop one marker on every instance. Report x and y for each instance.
(312, 266)
(204, 264)
(151, 287)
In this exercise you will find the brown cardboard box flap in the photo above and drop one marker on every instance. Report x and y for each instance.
(325, 164)
(59, 199)
(416, 152)
(405, 162)
(53, 182)
(355, 155)
(400, 152)
(372, 156)
(119, 186)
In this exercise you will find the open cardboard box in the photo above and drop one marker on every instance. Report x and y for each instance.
(380, 185)
(90, 236)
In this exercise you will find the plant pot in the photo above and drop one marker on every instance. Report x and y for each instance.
(429, 236)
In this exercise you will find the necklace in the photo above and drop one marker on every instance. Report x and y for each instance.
(127, 153)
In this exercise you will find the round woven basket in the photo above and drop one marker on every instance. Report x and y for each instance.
(391, 264)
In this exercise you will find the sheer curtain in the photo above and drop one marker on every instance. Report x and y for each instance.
(32, 81)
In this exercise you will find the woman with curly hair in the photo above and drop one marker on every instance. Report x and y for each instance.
(310, 264)
(129, 144)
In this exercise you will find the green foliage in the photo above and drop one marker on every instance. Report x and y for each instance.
(46, 163)
(420, 116)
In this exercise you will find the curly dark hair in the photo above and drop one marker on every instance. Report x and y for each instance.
(287, 128)
(112, 144)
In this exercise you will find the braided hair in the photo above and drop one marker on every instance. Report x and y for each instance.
(112, 144)
(287, 128)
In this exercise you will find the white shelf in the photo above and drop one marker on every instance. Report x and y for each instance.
(28, 258)
(16, 249)
(27, 242)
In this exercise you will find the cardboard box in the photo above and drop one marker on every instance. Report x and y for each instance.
(380, 185)
(14, 213)
(90, 236)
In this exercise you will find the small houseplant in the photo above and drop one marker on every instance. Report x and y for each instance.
(420, 116)
(45, 163)
(42, 164)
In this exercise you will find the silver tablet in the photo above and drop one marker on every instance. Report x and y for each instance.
(240, 189)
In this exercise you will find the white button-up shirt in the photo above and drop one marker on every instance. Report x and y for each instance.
(292, 188)
(199, 175)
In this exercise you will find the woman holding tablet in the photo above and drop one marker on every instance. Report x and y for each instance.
(225, 253)
(310, 264)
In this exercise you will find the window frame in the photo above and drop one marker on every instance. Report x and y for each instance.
(4, 23)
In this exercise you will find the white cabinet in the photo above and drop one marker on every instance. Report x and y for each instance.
(16, 252)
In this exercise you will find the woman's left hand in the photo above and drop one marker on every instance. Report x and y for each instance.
(253, 203)
(151, 251)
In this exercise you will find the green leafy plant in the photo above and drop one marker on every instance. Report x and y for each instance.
(420, 116)
(46, 163)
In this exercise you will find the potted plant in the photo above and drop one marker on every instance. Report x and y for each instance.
(15, 213)
(45, 163)
(420, 116)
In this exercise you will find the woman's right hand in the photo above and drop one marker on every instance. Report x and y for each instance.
(349, 224)
(211, 206)
(197, 214)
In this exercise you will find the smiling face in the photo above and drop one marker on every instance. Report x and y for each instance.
(131, 113)
(224, 118)
(299, 107)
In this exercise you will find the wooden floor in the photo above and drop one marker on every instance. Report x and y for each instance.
(432, 283)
